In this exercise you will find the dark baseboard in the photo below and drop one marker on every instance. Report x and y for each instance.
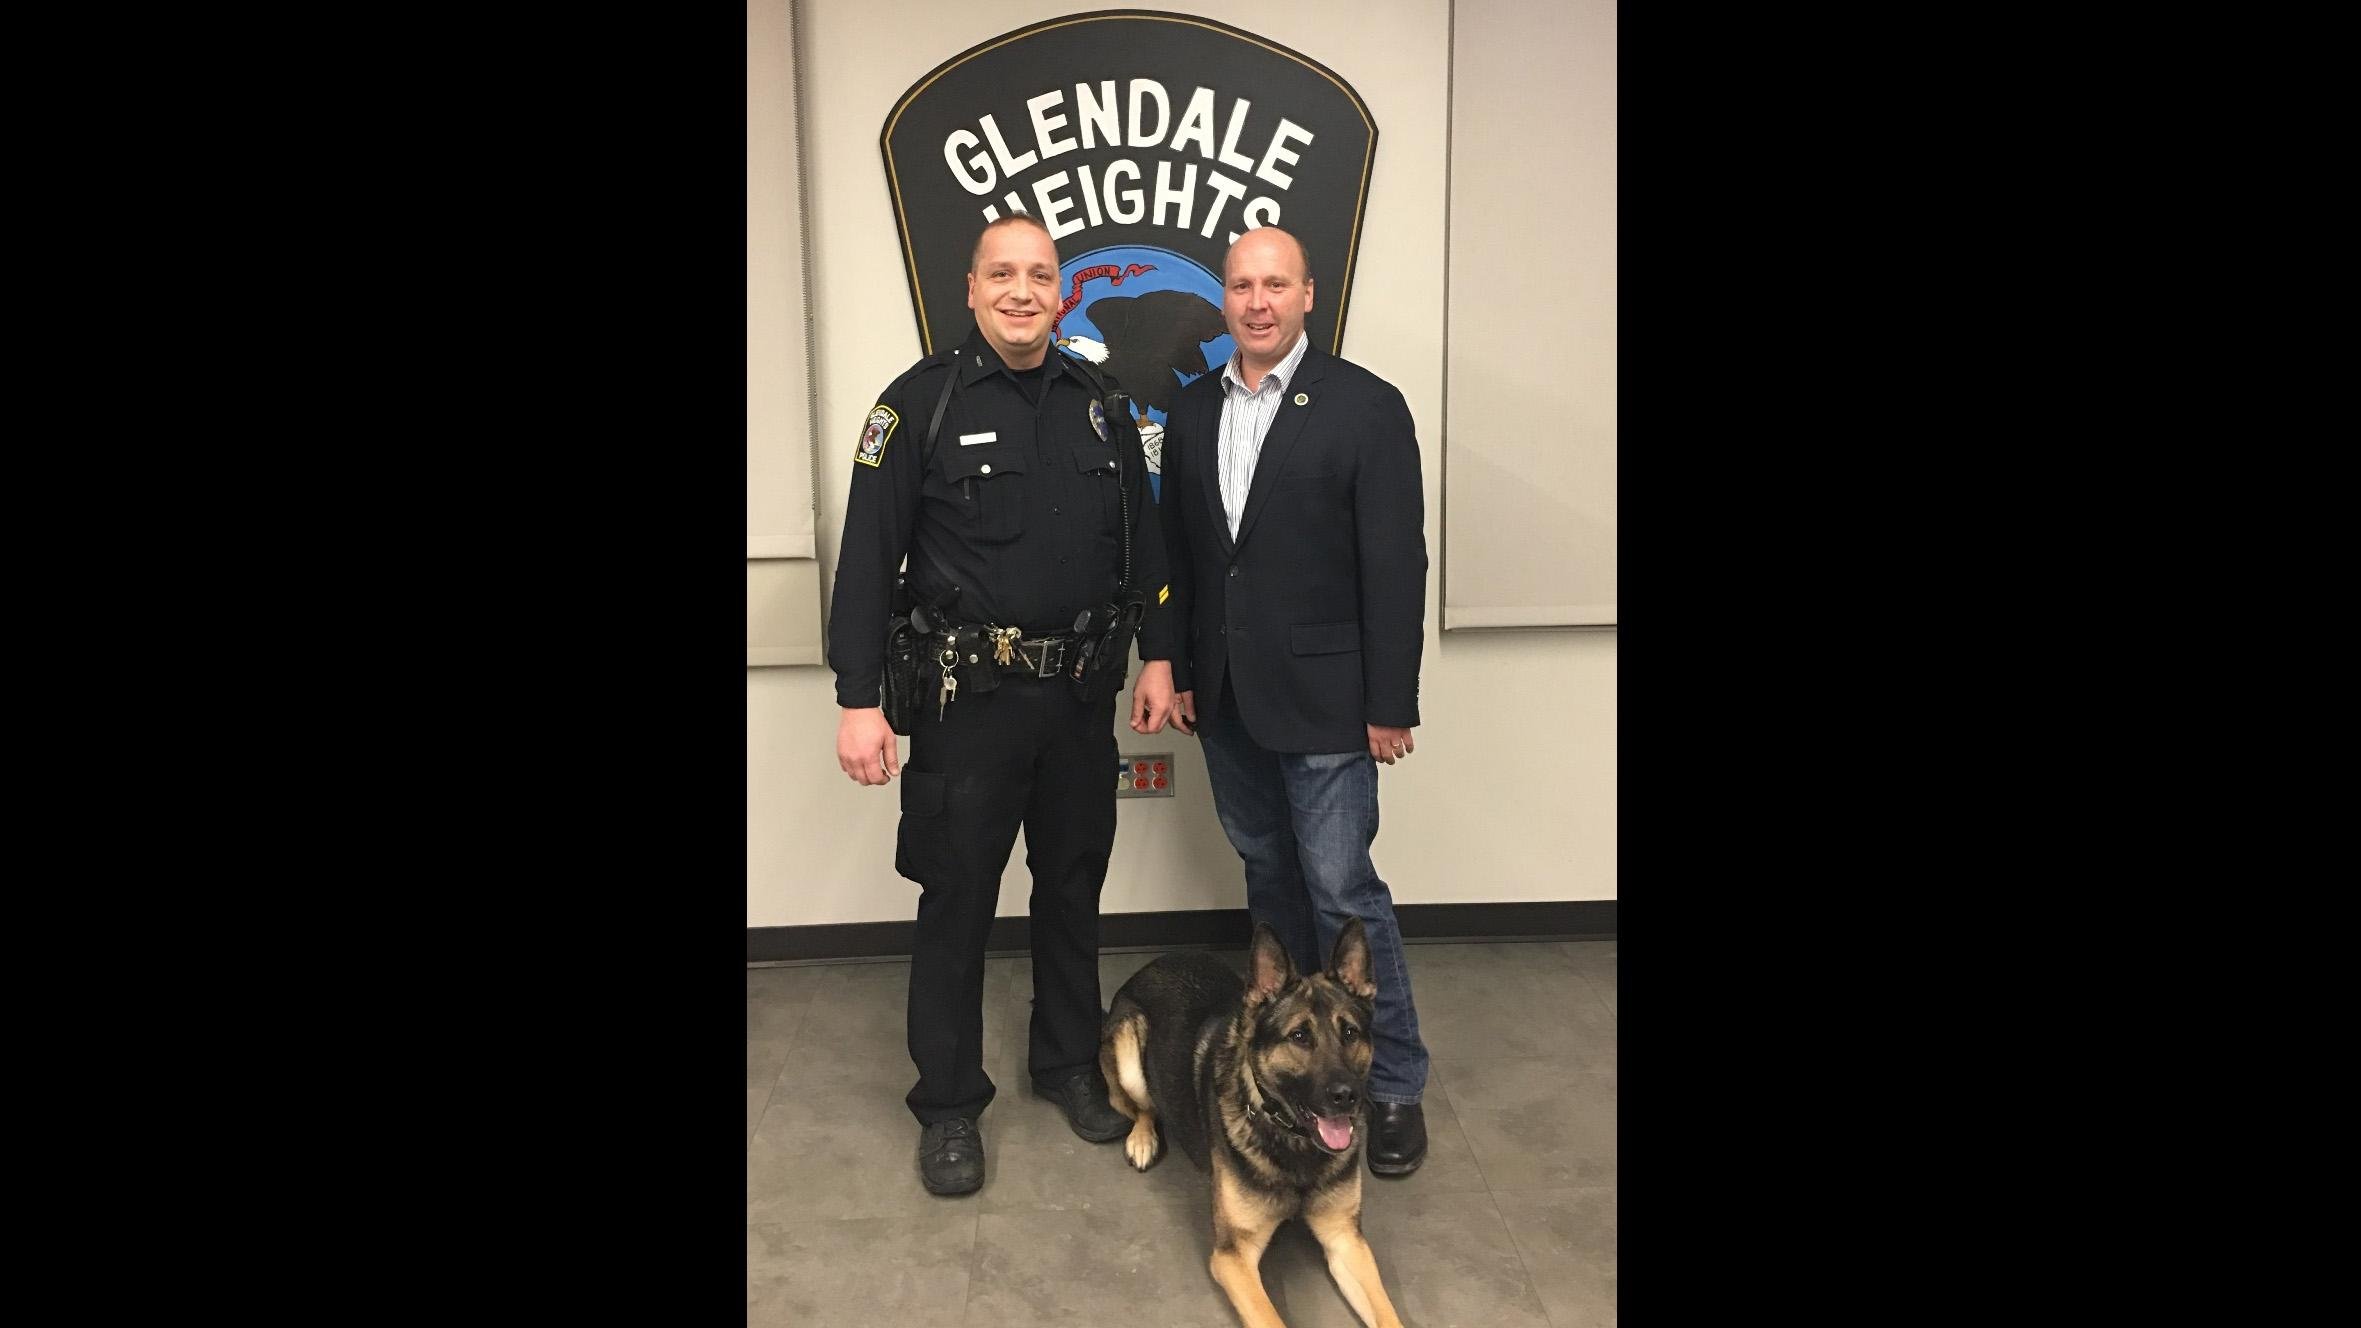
(1221, 928)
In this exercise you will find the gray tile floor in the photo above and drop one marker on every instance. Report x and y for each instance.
(1509, 1224)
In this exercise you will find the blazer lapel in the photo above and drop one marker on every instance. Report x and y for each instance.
(1208, 461)
(1286, 429)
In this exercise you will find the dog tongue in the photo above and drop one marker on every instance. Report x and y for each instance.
(1335, 1131)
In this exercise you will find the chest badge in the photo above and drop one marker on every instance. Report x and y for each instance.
(1098, 418)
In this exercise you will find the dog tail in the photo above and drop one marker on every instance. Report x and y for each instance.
(1119, 1055)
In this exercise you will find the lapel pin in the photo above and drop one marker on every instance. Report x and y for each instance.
(1302, 399)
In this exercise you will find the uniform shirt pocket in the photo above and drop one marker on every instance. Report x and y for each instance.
(1094, 464)
(988, 488)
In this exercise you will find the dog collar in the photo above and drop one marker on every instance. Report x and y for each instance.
(1277, 1113)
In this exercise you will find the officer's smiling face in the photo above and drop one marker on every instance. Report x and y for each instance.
(1013, 289)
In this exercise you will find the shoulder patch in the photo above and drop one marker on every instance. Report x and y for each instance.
(873, 434)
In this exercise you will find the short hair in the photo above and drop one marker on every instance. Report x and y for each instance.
(976, 255)
(1300, 252)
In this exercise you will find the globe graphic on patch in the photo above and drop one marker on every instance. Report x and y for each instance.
(1152, 319)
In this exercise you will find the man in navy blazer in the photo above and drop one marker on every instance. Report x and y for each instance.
(1296, 525)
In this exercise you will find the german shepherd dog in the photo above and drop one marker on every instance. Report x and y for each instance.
(1262, 1083)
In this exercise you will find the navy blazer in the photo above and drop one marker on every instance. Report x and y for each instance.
(1316, 612)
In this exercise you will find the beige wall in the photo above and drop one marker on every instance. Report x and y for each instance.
(782, 567)
(1511, 795)
(1530, 529)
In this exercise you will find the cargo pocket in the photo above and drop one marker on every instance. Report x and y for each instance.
(923, 841)
(988, 484)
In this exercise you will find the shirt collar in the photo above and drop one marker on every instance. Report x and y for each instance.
(1233, 374)
(977, 360)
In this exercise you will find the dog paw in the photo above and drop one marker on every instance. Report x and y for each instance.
(1140, 1146)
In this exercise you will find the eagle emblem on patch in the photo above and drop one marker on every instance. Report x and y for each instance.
(873, 434)
(1098, 418)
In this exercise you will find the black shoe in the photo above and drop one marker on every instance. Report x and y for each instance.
(1397, 1138)
(1082, 1095)
(951, 1156)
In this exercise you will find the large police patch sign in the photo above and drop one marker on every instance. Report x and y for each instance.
(1146, 142)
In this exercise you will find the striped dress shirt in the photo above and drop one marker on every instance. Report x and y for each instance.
(1245, 418)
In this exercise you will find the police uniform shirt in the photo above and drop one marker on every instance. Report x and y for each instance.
(1017, 508)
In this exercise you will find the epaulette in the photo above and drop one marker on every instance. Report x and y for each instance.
(923, 363)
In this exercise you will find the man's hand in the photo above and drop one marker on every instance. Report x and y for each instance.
(865, 746)
(1389, 745)
(1184, 711)
(1151, 699)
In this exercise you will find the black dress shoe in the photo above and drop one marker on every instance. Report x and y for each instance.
(1082, 1095)
(951, 1156)
(1397, 1138)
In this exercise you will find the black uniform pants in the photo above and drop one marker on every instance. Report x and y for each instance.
(1029, 752)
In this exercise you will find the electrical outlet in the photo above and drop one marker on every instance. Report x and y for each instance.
(1143, 774)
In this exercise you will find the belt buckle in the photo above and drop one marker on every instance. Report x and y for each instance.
(1053, 657)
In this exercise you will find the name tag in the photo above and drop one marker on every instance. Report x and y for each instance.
(971, 439)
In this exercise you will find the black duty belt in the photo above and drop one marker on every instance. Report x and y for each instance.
(1042, 656)
(1010, 651)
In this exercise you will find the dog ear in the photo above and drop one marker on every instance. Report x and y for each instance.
(1350, 964)
(1269, 969)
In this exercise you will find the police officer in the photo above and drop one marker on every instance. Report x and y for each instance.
(1014, 525)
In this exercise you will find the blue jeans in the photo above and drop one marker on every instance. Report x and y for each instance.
(1304, 824)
